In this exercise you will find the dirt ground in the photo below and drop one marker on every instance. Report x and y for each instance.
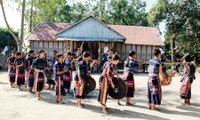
(20, 105)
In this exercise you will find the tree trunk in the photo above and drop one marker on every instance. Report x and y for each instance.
(20, 43)
(172, 45)
(19, 46)
(8, 26)
(31, 18)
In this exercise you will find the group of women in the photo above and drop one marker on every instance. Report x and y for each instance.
(61, 68)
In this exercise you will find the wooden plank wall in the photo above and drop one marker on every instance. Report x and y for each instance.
(144, 52)
(48, 46)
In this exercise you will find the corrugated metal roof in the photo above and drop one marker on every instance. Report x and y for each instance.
(91, 29)
(134, 34)
(139, 35)
(47, 31)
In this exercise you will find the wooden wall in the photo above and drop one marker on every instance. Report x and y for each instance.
(49, 46)
(144, 52)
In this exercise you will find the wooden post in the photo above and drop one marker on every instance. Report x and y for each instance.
(71, 45)
(99, 51)
(81, 47)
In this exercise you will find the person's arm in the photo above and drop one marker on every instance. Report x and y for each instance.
(109, 77)
(29, 64)
(79, 72)
(8, 64)
(46, 65)
(93, 63)
(58, 72)
(161, 71)
(18, 66)
(187, 69)
(34, 66)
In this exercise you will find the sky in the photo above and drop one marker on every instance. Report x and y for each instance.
(14, 17)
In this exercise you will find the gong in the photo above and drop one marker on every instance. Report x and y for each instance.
(90, 84)
(120, 89)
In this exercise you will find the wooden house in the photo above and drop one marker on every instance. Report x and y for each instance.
(95, 36)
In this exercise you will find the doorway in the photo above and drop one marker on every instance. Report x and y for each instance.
(92, 47)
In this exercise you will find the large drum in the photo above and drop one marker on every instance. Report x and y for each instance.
(164, 81)
(120, 89)
(90, 85)
(47, 73)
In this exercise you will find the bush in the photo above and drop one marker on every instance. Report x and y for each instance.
(168, 66)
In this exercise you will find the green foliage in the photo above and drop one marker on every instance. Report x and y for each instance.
(6, 39)
(168, 66)
(122, 12)
(182, 19)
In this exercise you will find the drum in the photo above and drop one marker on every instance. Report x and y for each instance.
(47, 73)
(90, 85)
(120, 89)
(164, 81)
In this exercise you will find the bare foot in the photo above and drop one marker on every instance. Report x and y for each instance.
(154, 108)
(42, 98)
(129, 104)
(80, 106)
(118, 102)
(104, 112)
(62, 102)
(149, 106)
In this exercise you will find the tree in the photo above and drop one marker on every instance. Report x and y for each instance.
(121, 12)
(6, 39)
(19, 40)
(182, 19)
(43, 11)
(80, 11)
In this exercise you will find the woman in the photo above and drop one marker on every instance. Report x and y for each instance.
(38, 66)
(188, 77)
(80, 77)
(30, 74)
(131, 68)
(154, 85)
(106, 80)
(67, 76)
(59, 70)
(20, 71)
(11, 69)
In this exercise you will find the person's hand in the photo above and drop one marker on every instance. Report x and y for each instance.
(88, 74)
(22, 64)
(66, 70)
(37, 70)
(184, 62)
(112, 85)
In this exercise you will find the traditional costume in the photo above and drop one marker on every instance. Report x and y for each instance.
(104, 60)
(131, 68)
(104, 82)
(30, 72)
(39, 77)
(20, 72)
(185, 90)
(154, 84)
(11, 69)
(79, 79)
(52, 62)
(59, 79)
(67, 76)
